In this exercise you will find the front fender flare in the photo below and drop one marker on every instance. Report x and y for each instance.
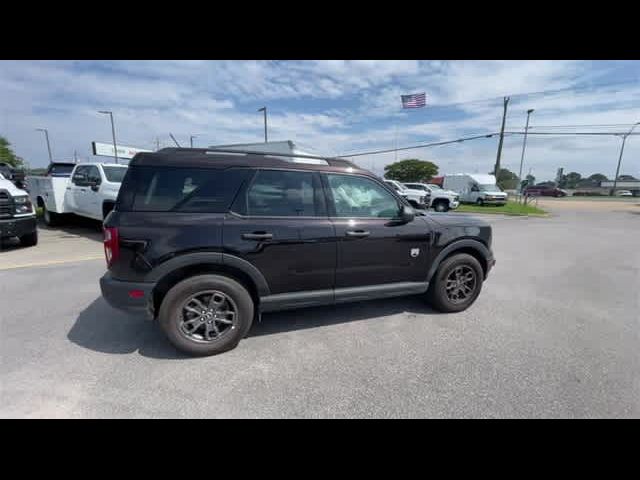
(457, 245)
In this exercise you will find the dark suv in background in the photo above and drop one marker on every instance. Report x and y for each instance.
(206, 240)
(544, 191)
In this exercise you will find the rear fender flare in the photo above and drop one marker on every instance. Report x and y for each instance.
(210, 258)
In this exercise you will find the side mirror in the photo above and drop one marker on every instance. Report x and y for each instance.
(407, 214)
(95, 187)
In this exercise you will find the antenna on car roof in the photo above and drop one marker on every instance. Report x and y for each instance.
(174, 139)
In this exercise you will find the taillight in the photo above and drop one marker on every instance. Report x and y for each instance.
(111, 245)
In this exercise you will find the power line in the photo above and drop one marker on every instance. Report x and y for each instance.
(572, 133)
(603, 125)
(540, 92)
(375, 152)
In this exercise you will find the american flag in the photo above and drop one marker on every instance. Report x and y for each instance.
(416, 100)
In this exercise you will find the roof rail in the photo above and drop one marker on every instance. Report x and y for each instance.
(330, 160)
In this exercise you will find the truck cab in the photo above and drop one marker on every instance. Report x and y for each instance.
(93, 189)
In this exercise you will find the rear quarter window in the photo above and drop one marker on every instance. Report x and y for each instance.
(166, 189)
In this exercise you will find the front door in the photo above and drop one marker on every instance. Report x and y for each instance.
(77, 189)
(279, 224)
(93, 203)
(373, 247)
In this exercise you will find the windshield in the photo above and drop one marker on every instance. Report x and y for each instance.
(114, 174)
(416, 186)
(489, 188)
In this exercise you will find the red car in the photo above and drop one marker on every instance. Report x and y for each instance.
(544, 191)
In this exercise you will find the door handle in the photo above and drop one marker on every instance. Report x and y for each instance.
(257, 236)
(358, 233)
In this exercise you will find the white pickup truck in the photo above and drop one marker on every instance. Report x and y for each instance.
(416, 198)
(441, 200)
(90, 191)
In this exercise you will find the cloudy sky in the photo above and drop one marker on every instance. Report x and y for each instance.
(332, 107)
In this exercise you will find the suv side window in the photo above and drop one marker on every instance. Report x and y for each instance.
(355, 196)
(80, 175)
(282, 193)
(165, 189)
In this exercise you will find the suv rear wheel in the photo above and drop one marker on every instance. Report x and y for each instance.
(206, 314)
(456, 284)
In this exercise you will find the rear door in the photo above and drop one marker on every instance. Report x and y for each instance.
(373, 248)
(279, 224)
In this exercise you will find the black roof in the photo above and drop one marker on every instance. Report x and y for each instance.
(220, 158)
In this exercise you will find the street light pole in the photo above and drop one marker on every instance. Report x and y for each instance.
(524, 145)
(191, 140)
(46, 135)
(624, 140)
(264, 109)
(113, 132)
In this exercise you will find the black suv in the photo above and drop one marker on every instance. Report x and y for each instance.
(206, 240)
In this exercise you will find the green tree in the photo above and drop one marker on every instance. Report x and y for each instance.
(7, 155)
(506, 179)
(596, 178)
(570, 180)
(411, 170)
(531, 180)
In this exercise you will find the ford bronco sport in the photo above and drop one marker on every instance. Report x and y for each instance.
(207, 240)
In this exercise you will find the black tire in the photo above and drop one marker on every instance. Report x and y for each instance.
(51, 219)
(480, 202)
(30, 239)
(437, 294)
(170, 315)
(441, 206)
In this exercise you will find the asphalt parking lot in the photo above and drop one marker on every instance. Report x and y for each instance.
(555, 333)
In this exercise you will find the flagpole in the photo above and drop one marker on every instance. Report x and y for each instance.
(396, 139)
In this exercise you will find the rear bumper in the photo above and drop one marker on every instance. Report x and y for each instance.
(16, 227)
(127, 296)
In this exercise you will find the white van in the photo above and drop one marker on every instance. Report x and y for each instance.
(475, 188)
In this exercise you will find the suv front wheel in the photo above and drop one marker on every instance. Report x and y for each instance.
(206, 314)
(456, 284)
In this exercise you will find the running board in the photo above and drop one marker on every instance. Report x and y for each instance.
(288, 301)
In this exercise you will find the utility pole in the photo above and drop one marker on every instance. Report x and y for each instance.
(624, 140)
(264, 109)
(524, 145)
(157, 144)
(75, 156)
(113, 132)
(46, 136)
(504, 118)
(191, 139)
(174, 139)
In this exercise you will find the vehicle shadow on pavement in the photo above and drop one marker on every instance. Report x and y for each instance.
(101, 328)
(75, 226)
(104, 329)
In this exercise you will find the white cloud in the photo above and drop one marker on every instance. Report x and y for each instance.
(335, 106)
